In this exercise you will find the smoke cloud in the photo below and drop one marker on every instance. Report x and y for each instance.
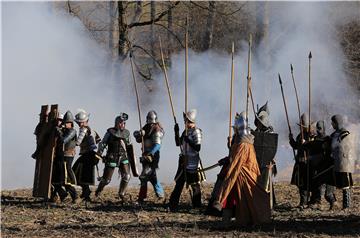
(52, 59)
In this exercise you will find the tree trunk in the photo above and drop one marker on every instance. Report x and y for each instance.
(208, 37)
(170, 28)
(113, 31)
(123, 32)
(152, 30)
(138, 11)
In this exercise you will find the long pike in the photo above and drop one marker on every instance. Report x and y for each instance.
(137, 100)
(286, 111)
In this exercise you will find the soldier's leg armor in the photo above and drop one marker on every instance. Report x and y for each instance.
(125, 178)
(346, 198)
(175, 195)
(105, 179)
(330, 195)
(143, 190)
(144, 178)
(303, 197)
(196, 197)
(159, 191)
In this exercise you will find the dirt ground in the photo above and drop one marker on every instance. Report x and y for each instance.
(24, 216)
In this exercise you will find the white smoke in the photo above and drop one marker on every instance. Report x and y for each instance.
(52, 59)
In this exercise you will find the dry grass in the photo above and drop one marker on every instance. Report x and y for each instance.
(24, 216)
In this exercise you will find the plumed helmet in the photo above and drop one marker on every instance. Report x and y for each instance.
(68, 117)
(81, 116)
(151, 117)
(122, 117)
(240, 125)
(190, 115)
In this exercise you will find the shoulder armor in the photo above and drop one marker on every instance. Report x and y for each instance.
(195, 135)
(157, 137)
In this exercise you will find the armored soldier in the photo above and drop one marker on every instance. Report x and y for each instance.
(265, 144)
(300, 175)
(63, 175)
(318, 154)
(84, 166)
(343, 157)
(57, 176)
(240, 194)
(189, 162)
(120, 153)
(151, 136)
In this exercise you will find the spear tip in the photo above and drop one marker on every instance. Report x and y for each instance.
(291, 66)
(310, 55)
(280, 79)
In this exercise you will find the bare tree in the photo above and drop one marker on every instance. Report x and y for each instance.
(209, 27)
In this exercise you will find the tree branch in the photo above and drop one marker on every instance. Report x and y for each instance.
(144, 23)
(172, 33)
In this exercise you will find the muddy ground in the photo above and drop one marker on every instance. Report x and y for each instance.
(24, 216)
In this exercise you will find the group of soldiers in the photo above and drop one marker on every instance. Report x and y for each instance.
(323, 163)
(244, 187)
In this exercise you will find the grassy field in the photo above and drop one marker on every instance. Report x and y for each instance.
(24, 216)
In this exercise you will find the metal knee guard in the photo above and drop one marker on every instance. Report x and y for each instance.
(346, 198)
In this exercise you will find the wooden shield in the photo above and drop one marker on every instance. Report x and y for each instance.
(265, 145)
(46, 142)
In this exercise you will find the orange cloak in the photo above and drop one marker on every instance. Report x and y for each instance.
(239, 188)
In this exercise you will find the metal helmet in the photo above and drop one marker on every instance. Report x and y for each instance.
(263, 119)
(240, 125)
(320, 128)
(68, 117)
(190, 115)
(151, 117)
(338, 121)
(81, 116)
(122, 117)
(264, 108)
(313, 130)
(304, 120)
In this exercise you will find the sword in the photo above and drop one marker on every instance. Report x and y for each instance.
(324, 171)
(205, 169)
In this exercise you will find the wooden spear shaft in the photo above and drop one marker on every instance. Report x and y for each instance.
(308, 163)
(310, 56)
(298, 106)
(186, 94)
(137, 101)
(248, 80)
(167, 81)
(297, 99)
(186, 68)
(286, 111)
(231, 91)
